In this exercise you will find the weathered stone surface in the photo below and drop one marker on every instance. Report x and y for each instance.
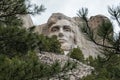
(56, 16)
(96, 21)
(88, 48)
(27, 21)
(74, 74)
(79, 21)
(41, 29)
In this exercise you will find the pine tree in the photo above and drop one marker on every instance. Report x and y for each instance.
(77, 54)
(18, 58)
(11, 9)
(107, 67)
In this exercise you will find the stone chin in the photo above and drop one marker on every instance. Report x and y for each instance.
(66, 47)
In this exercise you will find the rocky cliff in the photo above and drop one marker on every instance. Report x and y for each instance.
(27, 21)
(80, 70)
(88, 48)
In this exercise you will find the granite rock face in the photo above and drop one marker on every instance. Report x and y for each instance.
(27, 21)
(96, 21)
(88, 48)
(43, 28)
(74, 74)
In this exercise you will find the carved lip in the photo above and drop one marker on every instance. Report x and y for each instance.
(61, 40)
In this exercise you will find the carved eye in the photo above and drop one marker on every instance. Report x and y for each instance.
(55, 28)
(67, 28)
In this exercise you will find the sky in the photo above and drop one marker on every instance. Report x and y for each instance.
(70, 8)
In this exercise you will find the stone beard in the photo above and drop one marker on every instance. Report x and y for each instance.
(63, 29)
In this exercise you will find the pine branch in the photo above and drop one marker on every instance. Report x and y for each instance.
(82, 14)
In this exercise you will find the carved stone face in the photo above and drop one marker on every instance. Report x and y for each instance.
(63, 29)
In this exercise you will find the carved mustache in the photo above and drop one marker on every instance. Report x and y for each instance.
(62, 40)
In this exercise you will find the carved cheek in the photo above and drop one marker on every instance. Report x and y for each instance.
(72, 37)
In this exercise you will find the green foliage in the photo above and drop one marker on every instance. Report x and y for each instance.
(30, 67)
(49, 44)
(83, 12)
(55, 46)
(105, 32)
(115, 13)
(69, 66)
(106, 67)
(16, 41)
(18, 59)
(105, 29)
(11, 9)
(27, 68)
(76, 53)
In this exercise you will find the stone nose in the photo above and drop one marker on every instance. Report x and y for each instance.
(60, 34)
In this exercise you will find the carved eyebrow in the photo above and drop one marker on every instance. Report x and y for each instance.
(54, 27)
(67, 27)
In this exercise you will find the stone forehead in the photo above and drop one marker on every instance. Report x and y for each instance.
(63, 22)
(55, 17)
